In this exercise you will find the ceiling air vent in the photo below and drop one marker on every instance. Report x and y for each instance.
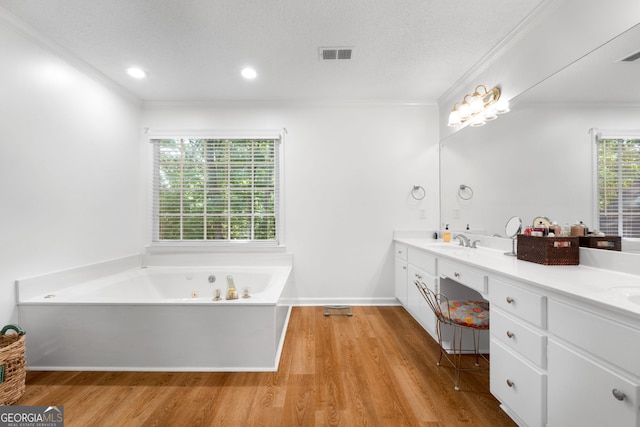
(632, 57)
(328, 53)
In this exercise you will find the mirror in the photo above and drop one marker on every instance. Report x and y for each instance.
(537, 159)
(512, 229)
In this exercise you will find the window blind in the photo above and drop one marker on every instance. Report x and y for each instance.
(618, 164)
(221, 190)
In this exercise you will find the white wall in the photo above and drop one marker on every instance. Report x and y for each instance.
(69, 166)
(349, 170)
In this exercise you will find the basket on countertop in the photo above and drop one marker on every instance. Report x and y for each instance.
(549, 250)
(612, 243)
(12, 365)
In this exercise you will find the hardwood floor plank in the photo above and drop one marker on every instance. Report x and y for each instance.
(376, 368)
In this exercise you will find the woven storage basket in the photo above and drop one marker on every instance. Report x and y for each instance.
(12, 365)
(549, 250)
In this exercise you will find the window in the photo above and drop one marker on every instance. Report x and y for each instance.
(216, 190)
(618, 172)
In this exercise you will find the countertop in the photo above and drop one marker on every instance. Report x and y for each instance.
(611, 290)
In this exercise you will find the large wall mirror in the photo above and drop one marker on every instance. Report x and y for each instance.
(537, 159)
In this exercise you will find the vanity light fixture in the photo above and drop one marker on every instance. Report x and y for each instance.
(478, 108)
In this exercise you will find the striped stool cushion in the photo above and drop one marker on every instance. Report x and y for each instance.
(473, 314)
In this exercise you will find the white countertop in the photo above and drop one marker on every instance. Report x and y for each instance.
(606, 288)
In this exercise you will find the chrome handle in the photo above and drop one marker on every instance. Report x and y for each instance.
(509, 300)
(510, 334)
(618, 394)
(456, 274)
(509, 383)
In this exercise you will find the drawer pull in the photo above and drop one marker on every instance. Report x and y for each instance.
(510, 334)
(404, 267)
(456, 274)
(618, 394)
(418, 276)
(509, 383)
(509, 300)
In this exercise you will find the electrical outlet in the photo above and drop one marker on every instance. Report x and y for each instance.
(456, 214)
(422, 214)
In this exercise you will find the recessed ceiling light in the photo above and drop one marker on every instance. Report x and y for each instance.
(136, 73)
(249, 73)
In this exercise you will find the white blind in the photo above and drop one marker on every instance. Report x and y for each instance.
(619, 185)
(208, 189)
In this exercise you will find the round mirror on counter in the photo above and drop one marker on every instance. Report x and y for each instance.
(512, 229)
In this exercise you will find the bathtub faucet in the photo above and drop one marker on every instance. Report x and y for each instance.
(232, 292)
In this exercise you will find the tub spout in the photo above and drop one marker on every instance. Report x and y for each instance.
(232, 292)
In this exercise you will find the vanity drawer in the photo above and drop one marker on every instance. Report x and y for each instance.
(606, 338)
(463, 274)
(518, 385)
(519, 302)
(518, 337)
(423, 260)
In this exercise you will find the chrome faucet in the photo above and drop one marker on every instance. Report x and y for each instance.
(464, 240)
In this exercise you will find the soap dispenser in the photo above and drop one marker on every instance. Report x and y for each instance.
(446, 236)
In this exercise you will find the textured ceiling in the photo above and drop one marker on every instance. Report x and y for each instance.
(193, 50)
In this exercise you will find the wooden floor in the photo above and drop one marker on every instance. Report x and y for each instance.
(376, 368)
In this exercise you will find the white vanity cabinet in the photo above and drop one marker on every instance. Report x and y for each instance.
(593, 368)
(518, 350)
(560, 356)
(400, 281)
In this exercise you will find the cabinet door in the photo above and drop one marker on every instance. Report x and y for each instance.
(583, 393)
(401, 280)
(518, 385)
(417, 305)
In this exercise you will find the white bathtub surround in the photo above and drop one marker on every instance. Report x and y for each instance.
(158, 318)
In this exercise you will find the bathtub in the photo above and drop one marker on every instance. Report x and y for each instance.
(158, 319)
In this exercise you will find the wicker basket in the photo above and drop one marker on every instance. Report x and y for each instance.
(612, 243)
(549, 250)
(12, 365)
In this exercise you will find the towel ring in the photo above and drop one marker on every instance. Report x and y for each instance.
(465, 192)
(418, 192)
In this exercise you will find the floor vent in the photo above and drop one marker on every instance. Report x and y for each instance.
(330, 53)
(633, 57)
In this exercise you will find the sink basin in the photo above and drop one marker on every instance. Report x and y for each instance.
(630, 293)
(634, 299)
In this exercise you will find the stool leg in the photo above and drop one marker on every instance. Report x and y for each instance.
(457, 354)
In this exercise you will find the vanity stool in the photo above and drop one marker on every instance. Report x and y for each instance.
(461, 315)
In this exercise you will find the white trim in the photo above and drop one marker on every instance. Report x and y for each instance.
(151, 134)
(372, 301)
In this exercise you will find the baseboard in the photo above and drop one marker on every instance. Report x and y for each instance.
(339, 301)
